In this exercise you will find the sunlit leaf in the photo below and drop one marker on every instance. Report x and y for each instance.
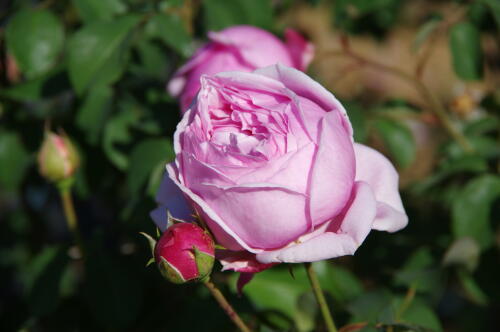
(13, 161)
(97, 52)
(399, 141)
(145, 156)
(35, 38)
(465, 45)
(471, 210)
(95, 10)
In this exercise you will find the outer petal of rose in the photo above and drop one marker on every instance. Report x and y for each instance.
(240, 261)
(301, 50)
(170, 198)
(287, 170)
(215, 62)
(376, 170)
(245, 38)
(208, 213)
(332, 173)
(355, 224)
(263, 215)
(178, 81)
(306, 87)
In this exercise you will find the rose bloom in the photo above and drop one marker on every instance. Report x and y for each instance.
(241, 48)
(267, 160)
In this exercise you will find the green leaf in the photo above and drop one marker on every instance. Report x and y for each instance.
(357, 116)
(420, 271)
(471, 210)
(338, 281)
(424, 32)
(220, 14)
(494, 7)
(99, 10)
(117, 131)
(44, 86)
(13, 161)
(145, 156)
(484, 146)
(482, 126)
(44, 293)
(92, 114)
(409, 314)
(170, 29)
(155, 178)
(152, 61)
(472, 289)
(463, 252)
(35, 39)
(465, 45)
(97, 52)
(369, 306)
(421, 315)
(275, 290)
(399, 141)
(452, 166)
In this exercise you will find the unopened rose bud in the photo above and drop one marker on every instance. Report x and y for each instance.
(58, 158)
(185, 252)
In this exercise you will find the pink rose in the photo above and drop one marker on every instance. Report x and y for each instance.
(268, 161)
(242, 48)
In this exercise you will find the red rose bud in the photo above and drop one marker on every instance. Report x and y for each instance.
(185, 252)
(58, 158)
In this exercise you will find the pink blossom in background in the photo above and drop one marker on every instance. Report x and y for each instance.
(267, 159)
(242, 48)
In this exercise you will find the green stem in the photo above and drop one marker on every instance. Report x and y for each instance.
(71, 219)
(216, 293)
(320, 297)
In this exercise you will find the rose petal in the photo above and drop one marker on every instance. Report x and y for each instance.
(224, 234)
(306, 87)
(240, 261)
(262, 215)
(376, 170)
(287, 170)
(243, 279)
(353, 227)
(244, 39)
(332, 174)
(301, 50)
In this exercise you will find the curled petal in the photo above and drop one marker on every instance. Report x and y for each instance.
(332, 174)
(306, 87)
(376, 170)
(342, 237)
(243, 40)
(240, 261)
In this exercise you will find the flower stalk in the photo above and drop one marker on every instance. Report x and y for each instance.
(219, 297)
(320, 298)
(69, 212)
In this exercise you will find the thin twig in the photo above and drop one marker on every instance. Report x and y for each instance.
(320, 298)
(216, 293)
(71, 219)
(433, 102)
(457, 15)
